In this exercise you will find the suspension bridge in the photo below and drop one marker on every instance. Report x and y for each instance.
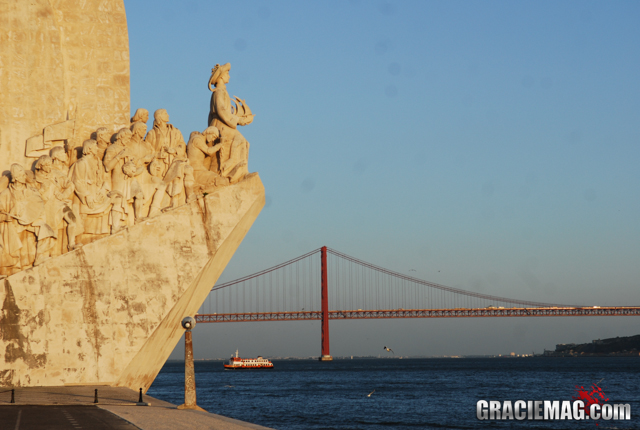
(325, 284)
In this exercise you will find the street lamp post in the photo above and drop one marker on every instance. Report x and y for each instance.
(189, 372)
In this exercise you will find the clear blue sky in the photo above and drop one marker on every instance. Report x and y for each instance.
(492, 146)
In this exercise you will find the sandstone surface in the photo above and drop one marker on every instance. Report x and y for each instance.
(109, 313)
(64, 71)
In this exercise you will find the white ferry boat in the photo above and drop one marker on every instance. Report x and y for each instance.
(248, 363)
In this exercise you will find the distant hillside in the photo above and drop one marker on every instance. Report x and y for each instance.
(623, 346)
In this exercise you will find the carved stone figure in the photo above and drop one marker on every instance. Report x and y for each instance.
(60, 160)
(166, 140)
(141, 151)
(202, 152)
(134, 190)
(141, 115)
(221, 109)
(60, 169)
(235, 166)
(180, 183)
(25, 237)
(154, 188)
(142, 154)
(57, 193)
(91, 199)
(103, 139)
(124, 188)
(234, 153)
(155, 168)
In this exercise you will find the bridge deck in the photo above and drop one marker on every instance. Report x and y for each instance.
(593, 311)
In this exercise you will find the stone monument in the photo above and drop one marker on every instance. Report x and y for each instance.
(110, 233)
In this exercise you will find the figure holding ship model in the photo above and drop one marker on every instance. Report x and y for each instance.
(234, 153)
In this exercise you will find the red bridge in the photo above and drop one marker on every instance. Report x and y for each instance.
(299, 290)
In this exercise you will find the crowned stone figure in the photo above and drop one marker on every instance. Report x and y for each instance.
(234, 152)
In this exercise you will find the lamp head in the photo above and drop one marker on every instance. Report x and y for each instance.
(188, 323)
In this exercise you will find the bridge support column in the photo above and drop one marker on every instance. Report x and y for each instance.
(326, 356)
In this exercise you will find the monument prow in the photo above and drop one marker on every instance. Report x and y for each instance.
(109, 234)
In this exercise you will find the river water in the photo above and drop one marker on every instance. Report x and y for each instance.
(409, 393)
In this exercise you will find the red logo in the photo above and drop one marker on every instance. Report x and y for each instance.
(595, 396)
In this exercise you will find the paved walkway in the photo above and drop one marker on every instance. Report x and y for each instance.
(60, 417)
(58, 408)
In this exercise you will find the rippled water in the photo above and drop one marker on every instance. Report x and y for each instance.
(409, 393)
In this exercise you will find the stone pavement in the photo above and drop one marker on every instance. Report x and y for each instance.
(47, 417)
(72, 407)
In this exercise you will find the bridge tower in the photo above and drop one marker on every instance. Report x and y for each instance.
(325, 355)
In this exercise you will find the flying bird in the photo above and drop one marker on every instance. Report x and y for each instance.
(369, 395)
(388, 349)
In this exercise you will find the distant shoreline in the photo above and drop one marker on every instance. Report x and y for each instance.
(626, 346)
(348, 358)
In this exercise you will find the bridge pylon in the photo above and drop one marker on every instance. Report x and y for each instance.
(325, 354)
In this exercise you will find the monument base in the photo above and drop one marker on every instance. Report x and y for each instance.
(193, 408)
